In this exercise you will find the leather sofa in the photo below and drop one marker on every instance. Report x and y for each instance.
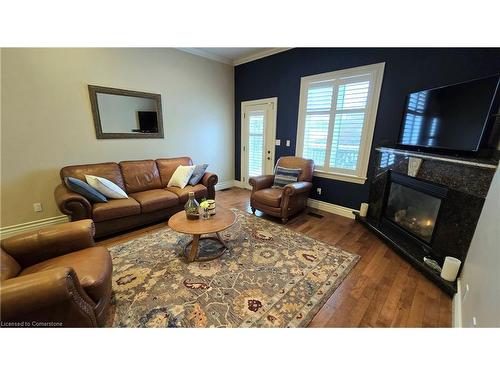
(144, 181)
(55, 277)
(287, 201)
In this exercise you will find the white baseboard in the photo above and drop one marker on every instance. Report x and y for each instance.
(239, 184)
(224, 185)
(456, 307)
(31, 225)
(330, 207)
(228, 184)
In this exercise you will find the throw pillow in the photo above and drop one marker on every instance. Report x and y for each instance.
(106, 187)
(181, 176)
(284, 176)
(82, 188)
(199, 171)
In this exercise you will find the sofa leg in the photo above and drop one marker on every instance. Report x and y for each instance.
(284, 220)
(253, 209)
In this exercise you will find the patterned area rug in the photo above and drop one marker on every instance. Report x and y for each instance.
(271, 277)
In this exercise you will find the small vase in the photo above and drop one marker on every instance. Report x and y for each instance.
(205, 213)
(191, 208)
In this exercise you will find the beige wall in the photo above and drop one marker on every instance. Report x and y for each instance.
(46, 121)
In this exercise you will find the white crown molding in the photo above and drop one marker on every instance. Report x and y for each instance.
(224, 60)
(207, 55)
(259, 55)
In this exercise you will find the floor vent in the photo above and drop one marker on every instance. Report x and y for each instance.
(314, 214)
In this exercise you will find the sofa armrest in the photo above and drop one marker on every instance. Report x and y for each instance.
(72, 204)
(297, 188)
(50, 242)
(49, 298)
(209, 180)
(261, 182)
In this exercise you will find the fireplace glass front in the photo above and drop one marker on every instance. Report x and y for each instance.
(414, 211)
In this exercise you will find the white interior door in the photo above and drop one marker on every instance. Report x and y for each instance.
(257, 138)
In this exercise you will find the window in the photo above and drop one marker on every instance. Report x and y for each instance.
(256, 143)
(336, 121)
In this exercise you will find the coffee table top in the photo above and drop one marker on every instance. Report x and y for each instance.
(223, 219)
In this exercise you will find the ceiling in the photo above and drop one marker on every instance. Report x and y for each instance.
(233, 56)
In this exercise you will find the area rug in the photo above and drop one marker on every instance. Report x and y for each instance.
(271, 277)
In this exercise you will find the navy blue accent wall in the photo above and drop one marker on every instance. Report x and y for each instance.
(406, 70)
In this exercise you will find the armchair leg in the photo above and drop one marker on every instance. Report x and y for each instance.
(284, 220)
(253, 209)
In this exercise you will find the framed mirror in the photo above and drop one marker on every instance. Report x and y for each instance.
(121, 113)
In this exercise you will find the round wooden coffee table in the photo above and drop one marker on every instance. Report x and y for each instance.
(223, 219)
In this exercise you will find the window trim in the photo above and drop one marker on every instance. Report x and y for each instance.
(377, 72)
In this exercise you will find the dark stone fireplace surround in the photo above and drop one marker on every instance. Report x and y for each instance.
(463, 185)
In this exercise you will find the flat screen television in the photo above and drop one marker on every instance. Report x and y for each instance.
(451, 118)
(148, 122)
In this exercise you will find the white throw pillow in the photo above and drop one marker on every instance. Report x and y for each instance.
(181, 176)
(106, 187)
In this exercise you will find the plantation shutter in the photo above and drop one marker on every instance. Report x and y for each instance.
(317, 122)
(334, 121)
(256, 143)
(349, 120)
(337, 115)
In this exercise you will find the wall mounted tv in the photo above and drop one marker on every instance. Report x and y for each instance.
(452, 118)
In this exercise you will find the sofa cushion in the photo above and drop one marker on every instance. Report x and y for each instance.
(269, 197)
(198, 173)
(92, 266)
(284, 176)
(110, 171)
(82, 188)
(181, 176)
(106, 187)
(156, 199)
(200, 191)
(140, 175)
(167, 167)
(115, 208)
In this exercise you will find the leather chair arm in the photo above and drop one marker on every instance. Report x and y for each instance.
(209, 180)
(72, 204)
(54, 297)
(297, 188)
(50, 242)
(261, 182)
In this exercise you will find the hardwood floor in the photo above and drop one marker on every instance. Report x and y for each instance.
(382, 290)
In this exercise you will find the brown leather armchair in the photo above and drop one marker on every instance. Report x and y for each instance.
(55, 276)
(287, 201)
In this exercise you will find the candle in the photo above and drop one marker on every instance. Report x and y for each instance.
(450, 268)
(363, 209)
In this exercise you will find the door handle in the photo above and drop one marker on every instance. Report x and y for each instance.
(268, 151)
(268, 158)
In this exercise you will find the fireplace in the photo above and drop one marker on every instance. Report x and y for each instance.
(433, 214)
(412, 207)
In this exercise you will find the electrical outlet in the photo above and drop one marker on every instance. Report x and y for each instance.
(287, 143)
(318, 190)
(37, 207)
(277, 142)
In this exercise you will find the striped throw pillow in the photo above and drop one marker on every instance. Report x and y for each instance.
(285, 176)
